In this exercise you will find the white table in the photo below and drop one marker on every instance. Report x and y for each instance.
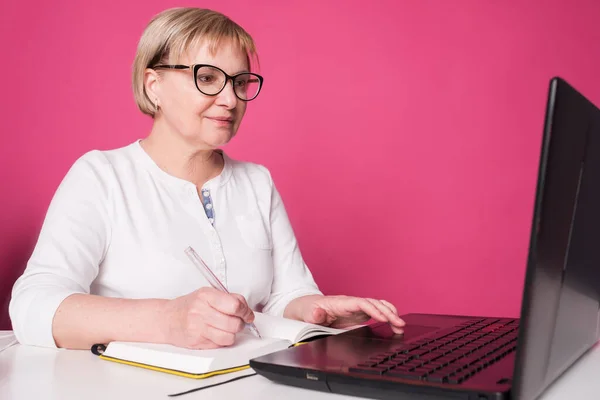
(38, 373)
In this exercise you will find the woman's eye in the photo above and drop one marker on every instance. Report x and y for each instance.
(206, 78)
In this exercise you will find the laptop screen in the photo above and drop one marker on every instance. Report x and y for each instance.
(559, 318)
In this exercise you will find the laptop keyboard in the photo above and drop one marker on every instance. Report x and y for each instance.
(448, 356)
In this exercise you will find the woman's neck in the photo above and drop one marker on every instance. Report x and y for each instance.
(177, 158)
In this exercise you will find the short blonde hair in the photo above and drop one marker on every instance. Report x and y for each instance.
(172, 32)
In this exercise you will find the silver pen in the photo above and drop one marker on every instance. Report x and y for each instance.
(213, 280)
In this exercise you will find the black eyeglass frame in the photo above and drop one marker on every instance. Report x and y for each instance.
(195, 67)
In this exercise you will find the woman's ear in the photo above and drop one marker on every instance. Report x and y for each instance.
(151, 84)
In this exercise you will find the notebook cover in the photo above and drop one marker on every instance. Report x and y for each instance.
(176, 372)
(98, 349)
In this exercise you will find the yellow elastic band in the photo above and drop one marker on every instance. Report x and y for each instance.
(175, 372)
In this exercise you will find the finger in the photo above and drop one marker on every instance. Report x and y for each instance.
(203, 344)
(249, 315)
(397, 330)
(218, 336)
(391, 315)
(221, 321)
(317, 316)
(390, 306)
(227, 303)
(372, 311)
(395, 310)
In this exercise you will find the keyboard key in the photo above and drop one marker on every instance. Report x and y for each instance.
(449, 370)
(455, 379)
(421, 370)
(447, 359)
(436, 377)
(433, 366)
(447, 351)
(479, 365)
(464, 375)
(365, 365)
(413, 364)
(419, 352)
(404, 374)
(468, 360)
(431, 356)
(432, 346)
(400, 361)
(482, 352)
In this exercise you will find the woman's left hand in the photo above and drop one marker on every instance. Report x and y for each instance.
(345, 311)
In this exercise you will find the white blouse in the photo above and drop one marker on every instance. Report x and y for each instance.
(118, 226)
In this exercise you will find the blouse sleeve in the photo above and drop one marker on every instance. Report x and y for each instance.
(292, 278)
(72, 242)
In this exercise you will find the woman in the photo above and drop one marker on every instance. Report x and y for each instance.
(109, 263)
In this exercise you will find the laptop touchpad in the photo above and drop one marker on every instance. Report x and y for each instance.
(410, 331)
(383, 331)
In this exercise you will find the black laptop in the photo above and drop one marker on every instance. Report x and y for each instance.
(476, 358)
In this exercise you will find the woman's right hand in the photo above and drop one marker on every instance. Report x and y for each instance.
(206, 319)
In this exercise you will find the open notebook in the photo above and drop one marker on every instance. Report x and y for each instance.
(277, 334)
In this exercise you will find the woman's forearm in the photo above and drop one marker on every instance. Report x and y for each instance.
(83, 320)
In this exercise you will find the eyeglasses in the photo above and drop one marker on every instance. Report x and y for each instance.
(211, 80)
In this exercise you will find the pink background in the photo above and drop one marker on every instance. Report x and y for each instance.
(403, 135)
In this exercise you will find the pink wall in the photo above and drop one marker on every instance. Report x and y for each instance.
(403, 136)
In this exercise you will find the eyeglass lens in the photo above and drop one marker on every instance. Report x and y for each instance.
(211, 81)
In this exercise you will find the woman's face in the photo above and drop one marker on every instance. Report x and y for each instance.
(206, 122)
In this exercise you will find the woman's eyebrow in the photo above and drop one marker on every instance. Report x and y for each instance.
(241, 71)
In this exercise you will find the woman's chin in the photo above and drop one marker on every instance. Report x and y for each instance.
(212, 141)
(219, 142)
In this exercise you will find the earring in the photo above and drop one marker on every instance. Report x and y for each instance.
(156, 105)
